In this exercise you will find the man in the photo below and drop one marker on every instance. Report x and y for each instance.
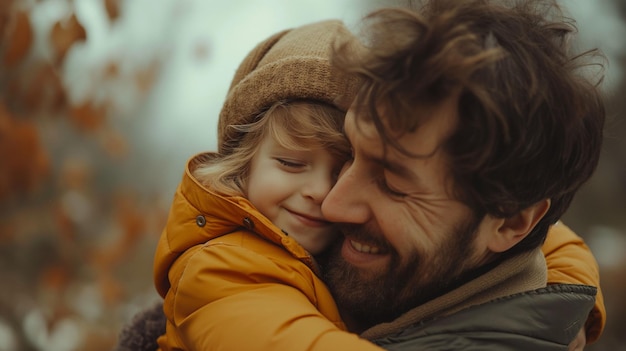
(471, 135)
(472, 132)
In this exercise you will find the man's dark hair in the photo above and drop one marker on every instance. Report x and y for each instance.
(530, 122)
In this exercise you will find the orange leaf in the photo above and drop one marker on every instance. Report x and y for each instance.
(113, 8)
(64, 34)
(87, 116)
(75, 174)
(111, 70)
(115, 144)
(42, 90)
(17, 39)
(145, 78)
(5, 15)
(55, 277)
(24, 161)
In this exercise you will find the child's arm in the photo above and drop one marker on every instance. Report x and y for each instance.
(232, 298)
(570, 261)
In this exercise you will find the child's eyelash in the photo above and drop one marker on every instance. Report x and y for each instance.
(288, 163)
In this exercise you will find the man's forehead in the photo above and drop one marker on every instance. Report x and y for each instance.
(434, 128)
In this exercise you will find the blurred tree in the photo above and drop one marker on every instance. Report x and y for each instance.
(63, 225)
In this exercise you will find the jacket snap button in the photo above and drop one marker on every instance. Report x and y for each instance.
(247, 222)
(200, 221)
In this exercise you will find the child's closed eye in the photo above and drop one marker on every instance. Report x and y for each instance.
(290, 163)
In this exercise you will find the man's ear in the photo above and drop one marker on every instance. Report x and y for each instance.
(510, 231)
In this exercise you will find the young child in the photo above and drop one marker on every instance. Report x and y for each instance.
(235, 262)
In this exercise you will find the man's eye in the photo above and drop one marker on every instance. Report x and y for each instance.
(382, 184)
(289, 164)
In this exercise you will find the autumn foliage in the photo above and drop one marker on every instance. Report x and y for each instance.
(63, 235)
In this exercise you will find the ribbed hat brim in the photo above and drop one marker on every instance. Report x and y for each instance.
(293, 64)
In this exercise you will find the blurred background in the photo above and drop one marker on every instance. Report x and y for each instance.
(103, 101)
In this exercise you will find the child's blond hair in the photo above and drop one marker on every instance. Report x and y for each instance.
(295, 125)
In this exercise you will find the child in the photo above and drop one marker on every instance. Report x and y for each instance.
(235, 262)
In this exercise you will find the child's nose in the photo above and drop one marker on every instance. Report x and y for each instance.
(317, 189)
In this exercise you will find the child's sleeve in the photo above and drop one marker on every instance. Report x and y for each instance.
(570, 261)
(233, 298)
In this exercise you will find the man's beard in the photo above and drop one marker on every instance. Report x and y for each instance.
(370, 298)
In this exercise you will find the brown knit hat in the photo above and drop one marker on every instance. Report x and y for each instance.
(292, 64)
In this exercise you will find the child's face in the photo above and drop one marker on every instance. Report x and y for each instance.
(288, 187)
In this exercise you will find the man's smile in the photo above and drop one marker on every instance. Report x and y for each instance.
(364, 248)
(364, 256)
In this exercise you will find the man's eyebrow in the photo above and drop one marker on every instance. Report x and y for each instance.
(391, 165)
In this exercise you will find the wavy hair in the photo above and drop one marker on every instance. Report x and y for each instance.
(296, 125)
(530, 118)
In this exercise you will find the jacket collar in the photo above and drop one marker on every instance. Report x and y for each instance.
(523, 272)
(221, 214)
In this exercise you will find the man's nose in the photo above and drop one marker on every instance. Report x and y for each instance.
(346, 201)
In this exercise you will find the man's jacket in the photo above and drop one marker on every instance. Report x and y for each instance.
(532, 320)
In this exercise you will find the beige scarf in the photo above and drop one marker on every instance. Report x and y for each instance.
(524, 272)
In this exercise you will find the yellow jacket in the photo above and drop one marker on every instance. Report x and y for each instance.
(253, 289)
(570, 261)
(228, 276)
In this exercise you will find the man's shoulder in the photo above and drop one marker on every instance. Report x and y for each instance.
(542, 319)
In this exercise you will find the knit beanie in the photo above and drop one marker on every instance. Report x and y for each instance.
(292, 64)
